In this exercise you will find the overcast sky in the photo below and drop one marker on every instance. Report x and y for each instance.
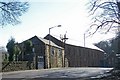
(71, 14)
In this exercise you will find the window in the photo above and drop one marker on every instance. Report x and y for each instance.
(52, 51)
(60, 52)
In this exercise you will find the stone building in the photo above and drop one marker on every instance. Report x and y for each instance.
(3, 54)
(42, 56)
(78, 56)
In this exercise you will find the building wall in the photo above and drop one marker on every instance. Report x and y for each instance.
(4, 56)
(83, 57)
(80, 56)
(41, 55)
(39, 52)
(56, 57)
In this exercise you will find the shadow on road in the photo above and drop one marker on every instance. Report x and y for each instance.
(46, 79)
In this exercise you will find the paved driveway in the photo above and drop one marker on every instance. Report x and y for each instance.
(56, 73)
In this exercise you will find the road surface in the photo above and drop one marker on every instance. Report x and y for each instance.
(55, 73)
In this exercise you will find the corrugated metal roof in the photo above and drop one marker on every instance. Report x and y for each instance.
(94, 47)
(90, 46)
(47, 42)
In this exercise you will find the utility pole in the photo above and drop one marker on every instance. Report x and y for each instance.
(63, 41)
(84, 39)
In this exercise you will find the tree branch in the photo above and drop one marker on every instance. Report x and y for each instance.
(100, 6)
(104, 24)
(11, 11)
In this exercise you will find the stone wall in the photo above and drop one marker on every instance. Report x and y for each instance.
(17, 66)
(55, 59)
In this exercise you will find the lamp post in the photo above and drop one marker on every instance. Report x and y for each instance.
(50, 45)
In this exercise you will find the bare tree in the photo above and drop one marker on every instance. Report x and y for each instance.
(10, 11)
(106, 18)
(105, 15)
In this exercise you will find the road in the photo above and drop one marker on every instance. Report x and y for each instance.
(55, 73)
